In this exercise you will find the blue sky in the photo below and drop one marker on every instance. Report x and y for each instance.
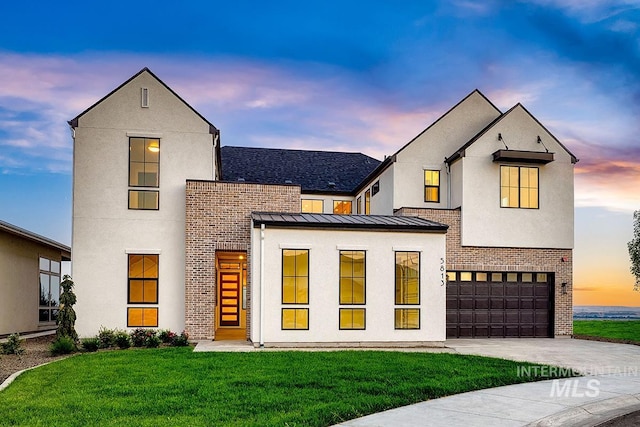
(349, 75)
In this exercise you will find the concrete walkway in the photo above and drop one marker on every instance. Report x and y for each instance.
(610, 389)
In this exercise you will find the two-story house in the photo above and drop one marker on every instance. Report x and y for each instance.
(295, 247)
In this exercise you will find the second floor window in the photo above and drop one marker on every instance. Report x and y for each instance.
(312, 206)
(144, 171)
(432, 186)
(367, 202)
(518, 187)
(342, 207)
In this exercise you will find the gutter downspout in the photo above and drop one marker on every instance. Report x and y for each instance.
(448, 169)
(262, 227)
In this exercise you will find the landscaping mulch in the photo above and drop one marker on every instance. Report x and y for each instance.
(36, 352)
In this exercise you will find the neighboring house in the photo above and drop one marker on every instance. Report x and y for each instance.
(295, 247)
(30, 280)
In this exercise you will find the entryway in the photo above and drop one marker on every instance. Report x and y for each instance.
(231, 304)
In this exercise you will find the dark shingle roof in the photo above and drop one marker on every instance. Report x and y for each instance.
(315, 171)
(362, 222)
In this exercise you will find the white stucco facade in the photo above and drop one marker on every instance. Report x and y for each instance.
(324, 247)
(105, 230)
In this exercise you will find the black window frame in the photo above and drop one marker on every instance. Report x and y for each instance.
(520, 187)
(150, 279)
(431, 186)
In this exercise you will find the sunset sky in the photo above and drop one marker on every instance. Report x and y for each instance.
(336, 75)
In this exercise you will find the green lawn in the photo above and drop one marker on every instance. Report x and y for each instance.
(175, 386)
(628, 330)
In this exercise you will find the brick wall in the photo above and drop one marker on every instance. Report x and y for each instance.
(473, 258)
(218, 217)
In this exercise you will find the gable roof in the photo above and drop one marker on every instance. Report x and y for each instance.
(74, 122)
(327, 172)
(349, 222)
(65, 250)
(460, 151)
(391, 159)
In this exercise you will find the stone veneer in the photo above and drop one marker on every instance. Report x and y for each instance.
(474, 258)
(218, 217)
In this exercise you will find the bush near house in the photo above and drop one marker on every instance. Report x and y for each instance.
(62, 345)
(13, 345)
(90, 344)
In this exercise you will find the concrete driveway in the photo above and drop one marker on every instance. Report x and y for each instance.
(610, 389)
(587, 357)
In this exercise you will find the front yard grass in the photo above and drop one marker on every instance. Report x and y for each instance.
(174, 386)
(613, 330)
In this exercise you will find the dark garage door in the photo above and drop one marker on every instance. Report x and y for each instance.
(486, 304)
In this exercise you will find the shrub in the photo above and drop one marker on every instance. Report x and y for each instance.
(122, 340)
(152, 341)
(106, 337)
(166, 336)
(90, 344)
(181, 340)
(66, 319)
(140, 336)
(62, 345)
(13, 345)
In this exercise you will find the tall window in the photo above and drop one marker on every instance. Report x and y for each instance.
(49, 290)
(367, 202)
(312, 206)
(352, 289)
(144, 171)
(342, 207)
(295, 288)
(407, 289)
(518, 187)
(432, 186)
(359, 205)
(142, 289)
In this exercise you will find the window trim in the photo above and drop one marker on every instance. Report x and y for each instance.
(343, 201)
(143, 191)
(367, 202)
(50, 273)
(364, 277)
(282, 276)
(364, 317)
(375, 188)
(395, 325)
(282, 309)
(312, 200)
(156, 279)
(359, 206)
(519, 167)
(395, 254)
(431, 186)
(157, 310)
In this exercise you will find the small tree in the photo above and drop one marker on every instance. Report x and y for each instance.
(67, 315)
(634, 250)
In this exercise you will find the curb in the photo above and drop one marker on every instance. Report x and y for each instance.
(15, 375)
(592, 414)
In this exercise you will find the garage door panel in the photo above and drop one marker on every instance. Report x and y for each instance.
(509, 305)
(481, 331)
(465, 303)
(481, 304)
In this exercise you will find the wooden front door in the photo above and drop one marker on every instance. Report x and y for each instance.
(230, 299)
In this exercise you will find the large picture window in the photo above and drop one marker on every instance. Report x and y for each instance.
(49, 290)
(407, 289)
(432, 186)
(295, 276)
(519, 187)
(352, 277)
(295, 288)
(142, 289)
(144, 171)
